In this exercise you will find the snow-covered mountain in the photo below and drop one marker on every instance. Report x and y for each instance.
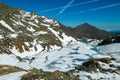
(26, 32)
(35, 47)
(78, 61)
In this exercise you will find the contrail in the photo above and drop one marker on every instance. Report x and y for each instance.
(53, 9)
(65, 7)
(103, 7)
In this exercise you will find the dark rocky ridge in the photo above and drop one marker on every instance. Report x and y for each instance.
(114, 39)
(87, 31)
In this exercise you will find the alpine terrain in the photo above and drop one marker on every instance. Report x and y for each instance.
(34, 47)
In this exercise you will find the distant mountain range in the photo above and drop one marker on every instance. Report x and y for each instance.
(87, 31)
(114, 32)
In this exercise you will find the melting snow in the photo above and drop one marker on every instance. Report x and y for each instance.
(13, 76)
(8, 59)
(110, 48)
(6, 25)
(40, 32)
(1, 37)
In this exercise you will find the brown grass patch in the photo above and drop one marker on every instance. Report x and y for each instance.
(6, 69)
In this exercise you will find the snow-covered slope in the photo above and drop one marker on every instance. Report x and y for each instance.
(29, 41)
(110, 48)
(27, 33)
(13, 76)
(68, 58)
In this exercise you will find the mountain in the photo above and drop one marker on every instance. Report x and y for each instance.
(88, 31)
(26, 32)
(110, 40)
(114, 32)
(40, 48)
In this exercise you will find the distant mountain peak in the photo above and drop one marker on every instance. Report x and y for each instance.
(86, 24)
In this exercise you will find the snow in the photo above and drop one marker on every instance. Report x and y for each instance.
(26, 15)
(13, 76)
(65, 40)
(98, 76)
(63, 59)
(34, 18)
(43, 24)
(8, 59)
(110, 48)
(50, 21)
(31, 24)
(40, 32)
(28, 53)
(6, 25)
(18, 22)
(13, 35)
(1, 37)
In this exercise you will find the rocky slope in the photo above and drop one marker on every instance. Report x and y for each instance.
(110, 40)
(87, 31)
(26, 32)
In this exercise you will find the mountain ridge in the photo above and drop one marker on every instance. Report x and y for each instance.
(88, 31)
(26, 32)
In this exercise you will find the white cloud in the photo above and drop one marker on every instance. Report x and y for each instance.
(65, 7)
(72, 5)
(103, 7)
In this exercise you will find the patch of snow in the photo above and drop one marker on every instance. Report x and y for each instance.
(67, 39)
(28, 53)
(98, 76)
(32, 24)
(1, 37)
(13, 76)
(17, 22)
(43, 24)
(40, 32)
(6, 25)
(27, 44)
(50, 21)
(33, 17)
(13, 35)
(110, 48)
(8, 59)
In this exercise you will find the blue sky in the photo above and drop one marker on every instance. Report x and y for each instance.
(104, 14)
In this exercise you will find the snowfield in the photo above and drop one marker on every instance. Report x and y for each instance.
(13, 76)
(63, 59)
(110, 48)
